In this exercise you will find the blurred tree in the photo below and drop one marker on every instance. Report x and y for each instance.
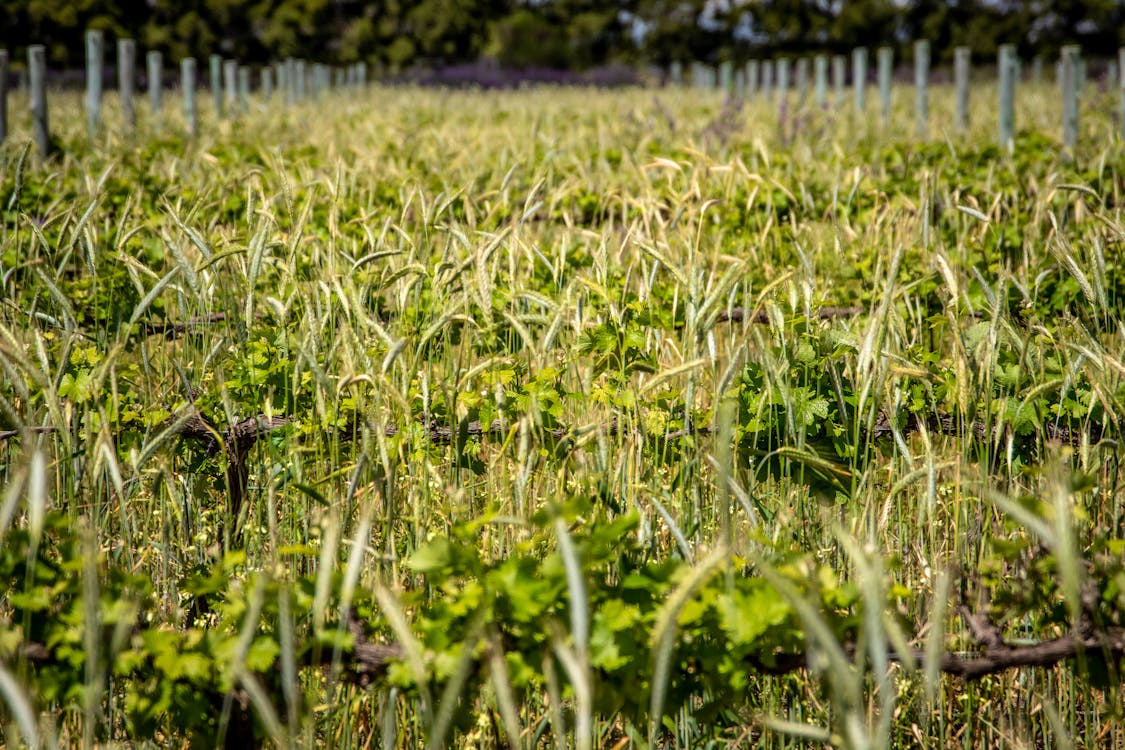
(61, 25)
(795, 25)
(680, 30)
(1097, 25)
(558, 33)
(866, 23)
(446, 31)
(562, 33)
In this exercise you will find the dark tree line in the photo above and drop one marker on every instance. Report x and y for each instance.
(574, 34)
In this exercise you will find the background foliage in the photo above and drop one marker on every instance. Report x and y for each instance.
(558, 33)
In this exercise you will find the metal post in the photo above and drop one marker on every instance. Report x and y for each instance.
(127, 81)
(820, 66)
(154, 70)
(216, 62)
(962, 58)
(188, 84)
(886, 73)
(921, 85)
(1070, 75)
(859, 78)
(37, 80)
(230, 84)
(244, 88)
(95, 60)
(802, 80)
(839, 76)
(1005, 61)
(3, 95)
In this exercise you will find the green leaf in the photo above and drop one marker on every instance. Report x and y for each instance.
(748, 615)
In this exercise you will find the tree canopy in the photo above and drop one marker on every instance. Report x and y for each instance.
(574, 34)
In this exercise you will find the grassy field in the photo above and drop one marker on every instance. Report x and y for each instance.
(623, 418)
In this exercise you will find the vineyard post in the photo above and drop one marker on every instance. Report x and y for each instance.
(839, 79)
(281, 77)
(921, 85)
(962, 57)
(94, 64)
(230, 85)
(363, 75)
(1111, 75)
(1081, 73)
(244, 88)
(1005, 61)
(3, 95)
(341, 80)
(802, 81)
(126, 81)
(1037, 70)
(314, 81)
(782, 78)
(37, 80)
(154, 70)
(267, 82)
(676, 73)
(752, 78)
(739, 84)
(820, 68)
(188, 84)
(299, 80)
(767, 80)
(1069, 77)
(886, 71)
(859, 78)
(216, 62)
(1121, 87)
(726, 77)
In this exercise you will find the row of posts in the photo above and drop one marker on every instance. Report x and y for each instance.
(230, 85)
(771, 79)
